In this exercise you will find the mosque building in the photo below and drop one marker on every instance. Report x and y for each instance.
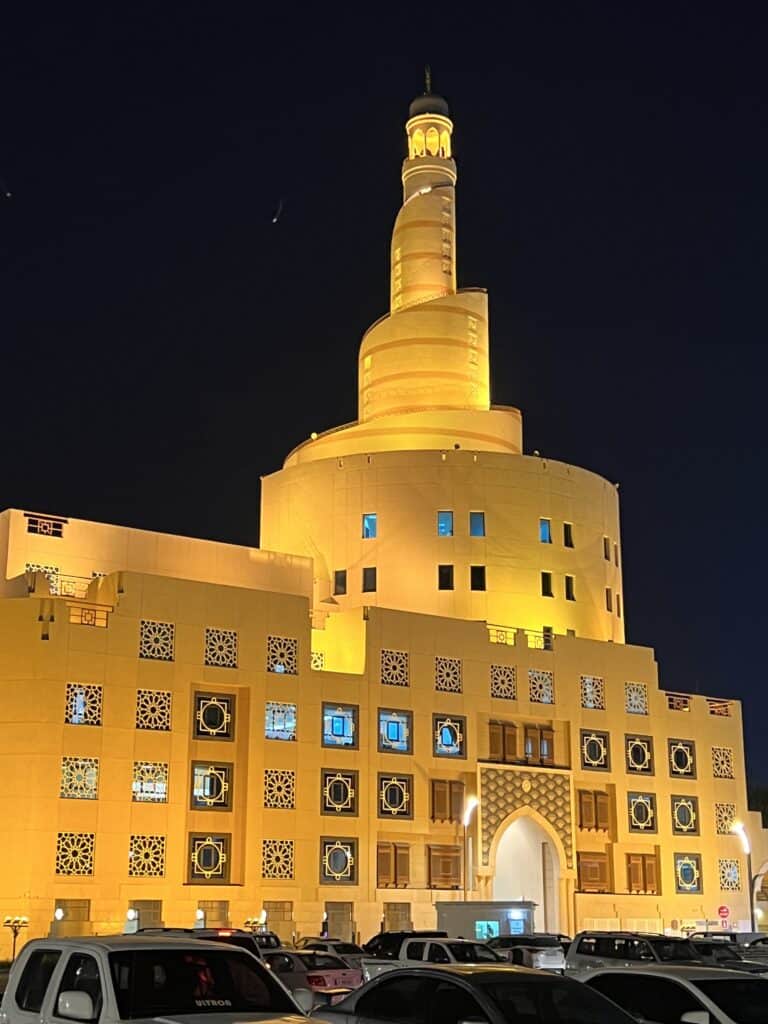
(417, 690)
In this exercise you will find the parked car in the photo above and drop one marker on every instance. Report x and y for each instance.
(346, 951)
(432, 951)
(699, 995)
(590, 951)
(389, 944)
(543, 952)
(325, 975)
(111, 979)
(268, 940)
(729, 956)
(230, 936)
(492, 994)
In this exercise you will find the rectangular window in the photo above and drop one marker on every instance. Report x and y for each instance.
(477, 577)
(594, 810)
(606, 549)
(642, 873)
(545, 531)
(369, 525)
(340, 725)
(568, 535)
(209, 859)
(593, 872)
(539, 745)
(618, 606)
(340, 581)
(211, 786)
(395, 731)
(546, 584)
(477, 524)
(608, 600)
(547, 637)
(570, 588)
(616, 554)
(447, 800)
(369, 580)
(502, 742)
(445, 577)
(445, 524)
(280, 721)
(444, 864)
(393, 864)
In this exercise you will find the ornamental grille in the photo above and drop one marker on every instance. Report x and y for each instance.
(283, 655)
(45, 526)
(221, 648)
(146, 857)
(730, 874)
(394, 668)
(51, 573)
(503, 682)
(153, 709)
(685, 815)
(150, 782)
(74, 853)
(156, 640)
(725, 815)
(541, 686)
(593, 693)
(317, 660)
(279, 788)
(277, 858)
(83, 704)
(448, 675)
(79, 778)
(687, 872)
(636, 698)
(722, 763)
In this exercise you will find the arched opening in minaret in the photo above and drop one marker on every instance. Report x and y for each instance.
(528, 868)
(445, 144)
(433, 141)
(418, 147)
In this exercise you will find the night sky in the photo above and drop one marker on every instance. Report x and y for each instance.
(164, 344)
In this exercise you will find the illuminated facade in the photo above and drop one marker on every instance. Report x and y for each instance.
(298, 729)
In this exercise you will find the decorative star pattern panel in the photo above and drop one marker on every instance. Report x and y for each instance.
(636, 698)
(541, 686)
(150, 782)
(156, 640)
(277, 858)
(725, 815)
(146, 857)
(394, 668)
(153, 710)
(729, 872)
(74, 853)
(503, 682)
(283, 655)
(448, 675)
(79, 778)
(221, 648)
(83, 704)
(593, 693)
(722, 763)
(279, 788)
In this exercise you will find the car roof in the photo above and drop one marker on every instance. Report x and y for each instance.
(111, 943)
(632, 935)
(682, 972)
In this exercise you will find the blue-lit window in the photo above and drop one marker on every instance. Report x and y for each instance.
(280, 721)
(445, 524)
(369, 525)
(339, 725)
(449, 736)
(477, 524)
(395, 731)
(545, 531)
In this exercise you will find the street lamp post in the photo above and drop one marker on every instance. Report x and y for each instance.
(740, 831)
(469, 810)
(15, 924)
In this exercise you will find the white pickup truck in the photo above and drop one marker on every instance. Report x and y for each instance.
(118, 978)
(431, 951)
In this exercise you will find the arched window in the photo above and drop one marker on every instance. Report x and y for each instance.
(417, 144)
(433, 141)
(445, 144)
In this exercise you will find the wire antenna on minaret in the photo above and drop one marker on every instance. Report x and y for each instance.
(427, 80)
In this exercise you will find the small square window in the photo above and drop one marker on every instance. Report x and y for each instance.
(340, 725)
(545, 531)
(568, 535)
(209, 858)
(546, 585)
(340, 581)
(595, 750)
(214, 716)
(477, 577)
(395, 731)
(369, 525)
(150, 782)
(211, 786)
(338, 861)
(449, 736)
(395, 796)
(280, 721)
(339, 792)
(570, 588)
(641, 808)
(639, 754)
(608, 599)
(369, 579)
(477, 524)
(445, 577)
(445, 524)
(687, 872)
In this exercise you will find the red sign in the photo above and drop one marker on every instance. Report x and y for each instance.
(723, 911)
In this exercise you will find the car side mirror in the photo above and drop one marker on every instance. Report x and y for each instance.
(304, 998)
(695, 1017)
(75, 1006)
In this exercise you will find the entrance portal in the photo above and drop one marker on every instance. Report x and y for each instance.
(528, 868)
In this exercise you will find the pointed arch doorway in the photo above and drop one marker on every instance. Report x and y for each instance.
(527, 867)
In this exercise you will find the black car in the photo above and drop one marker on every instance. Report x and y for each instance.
(231, 936)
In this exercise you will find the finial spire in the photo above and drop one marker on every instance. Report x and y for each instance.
(427, 80)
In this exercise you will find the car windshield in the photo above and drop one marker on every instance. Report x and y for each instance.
(717, 951)
(169, 982)
(346, 947)
(552, 1001)
(267, 941)
(743, 1000)
(472, 953)
(670, 950)
(321, 962)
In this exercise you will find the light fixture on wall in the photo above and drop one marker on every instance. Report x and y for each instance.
(738, 829)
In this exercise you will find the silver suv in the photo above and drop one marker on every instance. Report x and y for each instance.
(544, 952)
(595, 950)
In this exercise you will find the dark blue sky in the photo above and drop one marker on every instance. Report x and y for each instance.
(164, 344)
